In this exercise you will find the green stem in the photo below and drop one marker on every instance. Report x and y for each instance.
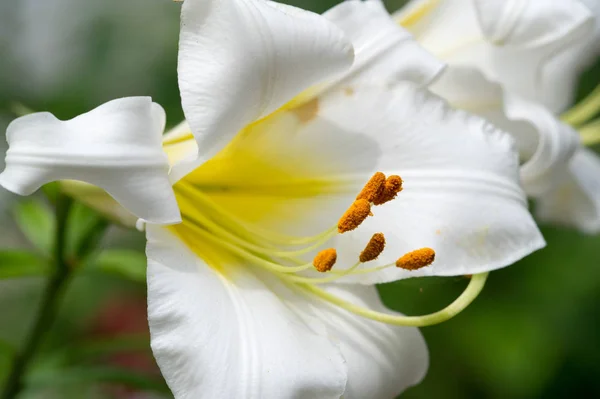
(49, 305)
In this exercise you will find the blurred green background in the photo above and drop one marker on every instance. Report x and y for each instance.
(533, 333)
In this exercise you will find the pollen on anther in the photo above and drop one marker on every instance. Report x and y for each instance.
(325, 260)
(373, 249)
(391, 188)
(354, 216)
(374, 188)
(417, 259)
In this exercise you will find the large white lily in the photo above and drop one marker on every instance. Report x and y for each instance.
(236, 309)
(516, 63)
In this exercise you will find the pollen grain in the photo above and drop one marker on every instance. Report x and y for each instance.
(417, 259)
(374, 188)
(325, 260)
(392, 186)
(354, 216)
(373, 249)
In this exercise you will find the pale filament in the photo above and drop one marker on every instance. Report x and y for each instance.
(261, 248)
(219, 230)
(252, 230)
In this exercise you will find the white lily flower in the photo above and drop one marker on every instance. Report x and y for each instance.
(516, 63)
(269, 178)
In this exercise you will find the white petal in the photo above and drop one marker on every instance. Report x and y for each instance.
(576, 202)
(180, 146)
(97, 199)
(529, 23)
(556, 144)
(564, 69)
(528, 35)
(116, 146)
(445, 28)
(383, 360)
(231, 335)
(546, 145)
(385, 52)
(240, 60)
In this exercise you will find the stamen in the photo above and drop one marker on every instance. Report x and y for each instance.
(325, 260)
(416, 259)
(393, 185)
(373, 249)
(461, 303)
(374, 188)
(354, 216)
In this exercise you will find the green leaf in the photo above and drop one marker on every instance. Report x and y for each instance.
(7, 356)
(108, 346)
(95, 374)
(85, 230)
(52, 191)
(99, 348)
(127, 264)
(15, 264)
(37, 223)
(6, 349)
(92, 351)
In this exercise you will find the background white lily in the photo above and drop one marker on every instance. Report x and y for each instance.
(516, 63)
(227, 319)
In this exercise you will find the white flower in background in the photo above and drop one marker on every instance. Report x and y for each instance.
(287, 130)
(516, 63)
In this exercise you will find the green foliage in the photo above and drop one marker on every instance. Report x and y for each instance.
(127, 264)
(102, 347)
(87, 363)
(87, 375)
(21, 264)
(36, 221)
(85, 231)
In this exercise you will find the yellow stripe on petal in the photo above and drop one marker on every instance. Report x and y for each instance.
(416, 14)
(250, 177)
